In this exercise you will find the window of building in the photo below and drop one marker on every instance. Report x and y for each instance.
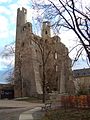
(46, 41)
(78, 74)
(84, 73)
(55, 55)
(36, 50)
(28, 24)
(22, 45)
(56, 68)
(24, 28)
(46, 32)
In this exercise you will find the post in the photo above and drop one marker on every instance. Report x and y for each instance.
(44, 87)
(44, 83)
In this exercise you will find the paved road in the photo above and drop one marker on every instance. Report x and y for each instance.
(13, 103)
(10, 110)
(11, 114)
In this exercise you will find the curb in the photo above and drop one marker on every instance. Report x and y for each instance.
(33, 114)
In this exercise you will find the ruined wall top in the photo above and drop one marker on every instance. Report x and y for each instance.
(21, 16)
(22, 10)
(46, 29)
(27, 26)
(23, 26)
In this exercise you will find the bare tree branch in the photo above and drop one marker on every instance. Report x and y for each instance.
(66, 14)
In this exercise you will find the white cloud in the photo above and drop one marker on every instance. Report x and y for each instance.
(46, 1)
(5, 62)
(3, 23)
(3, 35)
(4, 10)
(13, 33)
(43, 1)
(4, 27)
(4, 1)
(86, 2)
(31, 13)
(23, 3)
(13, 12)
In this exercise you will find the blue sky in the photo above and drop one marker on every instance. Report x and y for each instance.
(8, 11)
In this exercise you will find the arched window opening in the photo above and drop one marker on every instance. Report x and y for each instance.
(55, 55)
(22, 45)
(46, 32)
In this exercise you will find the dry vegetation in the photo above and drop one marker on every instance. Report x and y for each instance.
(69, 114)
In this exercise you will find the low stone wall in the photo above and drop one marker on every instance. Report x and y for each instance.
(82, 101)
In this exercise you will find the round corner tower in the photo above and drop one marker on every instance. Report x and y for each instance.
(21, 20)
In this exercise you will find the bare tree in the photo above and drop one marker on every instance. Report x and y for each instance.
(8, 53)
(68, 14)
(8, 50)
(10, 78)
(44, 49)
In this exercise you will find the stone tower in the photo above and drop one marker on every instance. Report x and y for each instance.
(21, 17)
(27, 79)
(46, 30)
(28, 60)
(21, 20)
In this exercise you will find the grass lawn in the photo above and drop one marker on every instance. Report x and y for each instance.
(69, 114)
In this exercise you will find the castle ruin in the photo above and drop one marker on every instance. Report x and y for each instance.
(33, 54)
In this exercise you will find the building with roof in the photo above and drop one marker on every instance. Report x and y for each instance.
(82, 78)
